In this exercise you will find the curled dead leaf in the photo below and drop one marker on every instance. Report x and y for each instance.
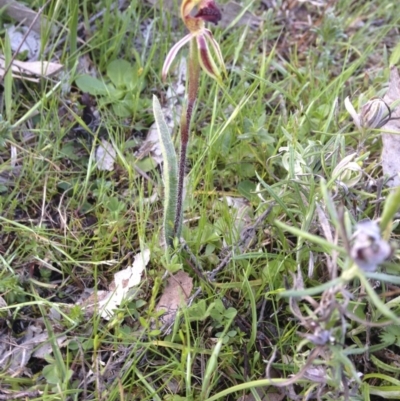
(391, 132)
(176, 293)
(30, 70)
(107, 301)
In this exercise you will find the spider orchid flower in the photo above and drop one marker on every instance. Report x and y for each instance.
(200, 36)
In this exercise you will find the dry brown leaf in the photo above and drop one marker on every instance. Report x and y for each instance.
(30, 70)
(176, 293)
(229, 11)
(22, 14)
(391, 142)
(46, 349)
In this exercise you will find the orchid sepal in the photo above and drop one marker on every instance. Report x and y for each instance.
(172, 54)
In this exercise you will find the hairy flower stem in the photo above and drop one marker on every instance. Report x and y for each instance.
(193, 73)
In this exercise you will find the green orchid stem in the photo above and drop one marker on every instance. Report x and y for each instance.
(193, 73)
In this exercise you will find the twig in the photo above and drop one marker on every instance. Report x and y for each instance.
(24, 37)
(196, 265)
(9, 395)
(314, 353)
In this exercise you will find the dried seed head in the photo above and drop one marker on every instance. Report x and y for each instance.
(374, 114)
(369, 250)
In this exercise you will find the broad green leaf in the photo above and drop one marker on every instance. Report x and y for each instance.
(147, 164)
(121, 109)
(247, 188)
(51, 374)
(120, 71)
(69, 150)
(91, 85)
(230, 313)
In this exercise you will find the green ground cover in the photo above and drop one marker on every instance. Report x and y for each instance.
(285, 299)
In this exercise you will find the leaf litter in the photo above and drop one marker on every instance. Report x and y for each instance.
(24, 15)
(25, 40)
(106, 301)
(31, 70)
(105, 156)
(15, 353)
(176, 293)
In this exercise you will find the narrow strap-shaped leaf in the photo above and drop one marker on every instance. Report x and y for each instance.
(170, 173)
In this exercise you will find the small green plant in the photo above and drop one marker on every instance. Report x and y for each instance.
(220, 314)
(391, 335)
(114, 206)
(5, 131)
(55, 376)
(121, 89)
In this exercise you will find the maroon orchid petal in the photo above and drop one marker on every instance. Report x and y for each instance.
(206, 61)
(215, 46)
